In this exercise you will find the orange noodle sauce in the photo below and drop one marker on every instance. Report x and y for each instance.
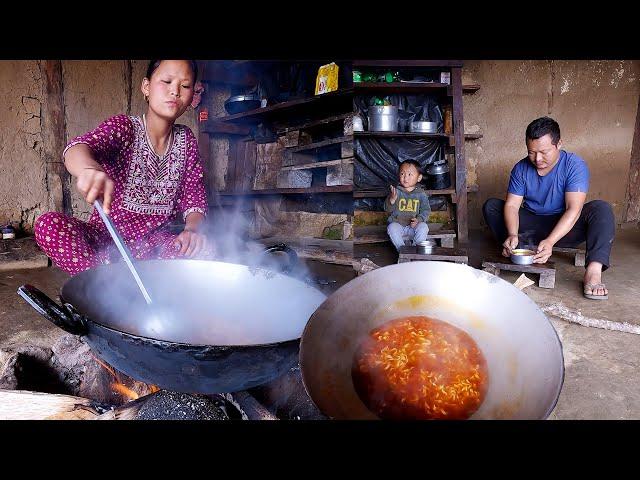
(420, 368)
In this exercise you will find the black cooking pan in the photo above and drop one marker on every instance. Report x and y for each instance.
(241, 103)
(213, 327)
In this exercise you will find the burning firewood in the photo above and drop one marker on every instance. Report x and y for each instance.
(250, 408)
(164, 405)
(25, 405)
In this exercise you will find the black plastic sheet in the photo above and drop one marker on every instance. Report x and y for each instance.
(379, 158)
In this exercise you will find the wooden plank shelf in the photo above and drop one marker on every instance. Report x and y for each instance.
(407, 63)
(403, 134)
(471, 88)
(442, 136)
(315, 123)
(402, 87)
(383, 192)
(323, 143)
(321, 164)
(285, 191)
(344, 95)
(411, 87)
(214, 126)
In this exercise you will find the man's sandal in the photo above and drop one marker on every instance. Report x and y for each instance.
(589, 287)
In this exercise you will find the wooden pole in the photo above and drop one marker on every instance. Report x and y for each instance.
(53, 136)
(633, 187)
(25, 405)
(461, 164)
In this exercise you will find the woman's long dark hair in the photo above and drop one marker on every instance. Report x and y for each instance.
(153, 64)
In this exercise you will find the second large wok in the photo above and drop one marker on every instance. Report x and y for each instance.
(522, 349)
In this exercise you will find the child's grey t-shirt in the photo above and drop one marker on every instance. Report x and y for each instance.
(408, 205)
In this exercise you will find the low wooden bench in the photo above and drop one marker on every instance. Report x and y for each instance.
(579, 254)
(546, 271)
(378, 234)
(444, 254)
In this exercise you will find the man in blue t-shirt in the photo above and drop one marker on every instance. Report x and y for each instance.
(546, 207)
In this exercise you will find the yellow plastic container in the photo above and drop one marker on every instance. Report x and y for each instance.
(327, 79)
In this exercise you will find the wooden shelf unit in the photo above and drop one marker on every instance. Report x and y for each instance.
(411, 87)
(246, 169)
(456, 140)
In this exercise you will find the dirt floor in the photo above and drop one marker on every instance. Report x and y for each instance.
(602, 378)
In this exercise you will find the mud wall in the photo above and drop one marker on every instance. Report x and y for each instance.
(595, 103)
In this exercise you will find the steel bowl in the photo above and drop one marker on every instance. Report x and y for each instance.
(522, 256)
(426, 246)
(423, 127)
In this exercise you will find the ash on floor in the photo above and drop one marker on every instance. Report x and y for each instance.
(166, 405)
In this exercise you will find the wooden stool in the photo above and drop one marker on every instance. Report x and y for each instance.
(578, 259)
(445, 254)
(444, 237)
(547, 271)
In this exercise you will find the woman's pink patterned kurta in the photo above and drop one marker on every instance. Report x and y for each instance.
(149, 192)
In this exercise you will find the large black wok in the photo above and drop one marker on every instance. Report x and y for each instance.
(213, 327)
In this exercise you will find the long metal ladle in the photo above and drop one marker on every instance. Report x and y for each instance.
(126, 254)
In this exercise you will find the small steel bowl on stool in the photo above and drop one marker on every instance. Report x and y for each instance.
(522, 256)
(426, 246)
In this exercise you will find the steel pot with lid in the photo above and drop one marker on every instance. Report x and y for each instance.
(438, 177)
(383, 118)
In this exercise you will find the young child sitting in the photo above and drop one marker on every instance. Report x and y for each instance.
(409, 206)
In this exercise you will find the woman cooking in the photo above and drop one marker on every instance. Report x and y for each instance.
(146, 169)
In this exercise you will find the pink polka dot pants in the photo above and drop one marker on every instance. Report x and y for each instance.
(75, 246)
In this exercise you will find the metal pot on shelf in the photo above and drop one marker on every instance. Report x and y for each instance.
(383, 118)
(357, 123)
(438, 176)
